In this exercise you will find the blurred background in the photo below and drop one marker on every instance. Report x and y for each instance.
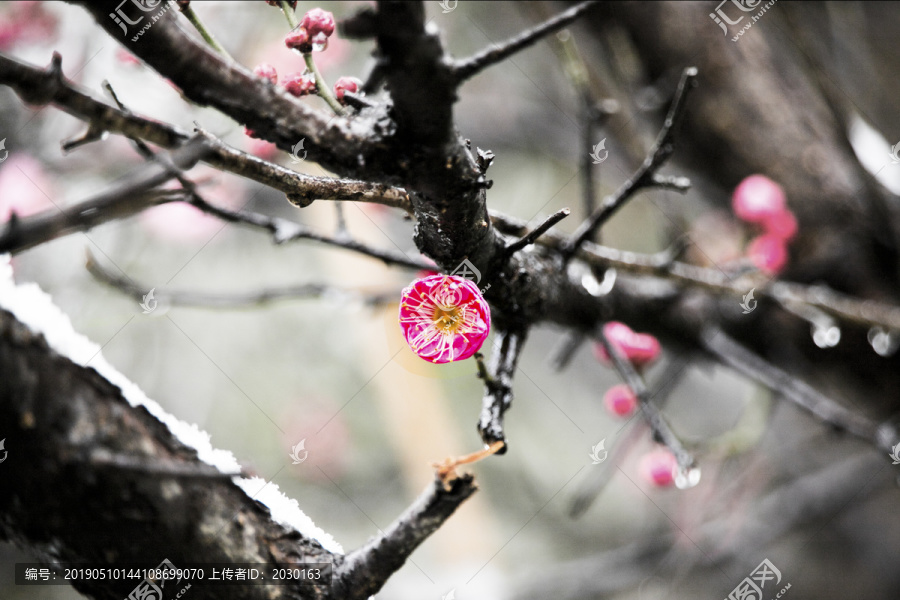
(336, 373)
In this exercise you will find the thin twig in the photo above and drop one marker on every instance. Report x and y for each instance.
(322, 85)
(537, 232)
(188, 11)
(643, 177)
(661, 430)
(467, 68)
(498, 395)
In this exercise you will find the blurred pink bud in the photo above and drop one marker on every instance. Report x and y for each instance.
(444, 318)
(757, 198)
(620, 400)
(782, 225)
(25, 187)
(266, 71)
(658, 467)
(346, 84)
(640, 348)
(768, 253)
(318, 21)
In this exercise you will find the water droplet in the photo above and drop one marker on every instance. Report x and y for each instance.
(595, 288)
(319, 42)
(826, 336)
(884, 342)
(685, 479)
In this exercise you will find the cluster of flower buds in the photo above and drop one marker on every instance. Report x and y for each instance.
(313, 33)
(760, 201)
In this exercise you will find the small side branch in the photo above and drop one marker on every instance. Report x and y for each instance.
(532, 236)
(645, 175)
(498, 394)
(365, 570)
(467, 68)
(662, 433)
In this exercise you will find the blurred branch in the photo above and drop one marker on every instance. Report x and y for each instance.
(662, 433)
(469, 67)
(128, 196)
(731, 353)
(41, 87)
(644, 176)
(228, 301)
(365, 570)
(498, 394)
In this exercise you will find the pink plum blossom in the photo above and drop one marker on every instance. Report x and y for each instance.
(444, 318)
(768, 253)
(620, 400)
(658, 467)
(757, 198)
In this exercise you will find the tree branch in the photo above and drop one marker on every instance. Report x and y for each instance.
(40, 87)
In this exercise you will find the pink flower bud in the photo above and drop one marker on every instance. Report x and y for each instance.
(620, 400)
(318, 21)
(299, 39)
(757, 198)
(640, 348)
(346, 84)
(768, 253)
(266, 71)
(300, 84)
(444, 318)
(658, 467)
(782, 225)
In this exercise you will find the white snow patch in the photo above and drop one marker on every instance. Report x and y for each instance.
(35, 308)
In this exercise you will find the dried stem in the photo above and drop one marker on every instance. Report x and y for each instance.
(537, 232)
(188, 12)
